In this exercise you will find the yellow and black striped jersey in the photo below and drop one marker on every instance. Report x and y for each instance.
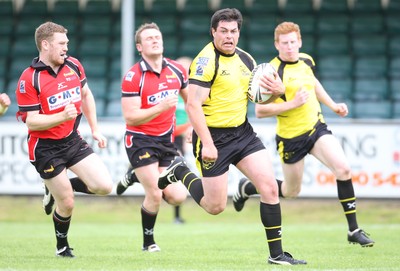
(228, 77)
(296, 75)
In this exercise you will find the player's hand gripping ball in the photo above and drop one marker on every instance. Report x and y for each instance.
(255, 92)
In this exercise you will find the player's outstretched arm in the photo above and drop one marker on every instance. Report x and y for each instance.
(339, 108)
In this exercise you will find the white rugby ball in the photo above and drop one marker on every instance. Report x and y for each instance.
(254, 92)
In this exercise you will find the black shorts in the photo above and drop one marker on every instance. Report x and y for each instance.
(179, 142)
(233, 144)
(51, 156)
(294, 149)
(143, 150)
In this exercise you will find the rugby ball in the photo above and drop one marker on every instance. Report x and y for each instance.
(255, 91)
(3, 109)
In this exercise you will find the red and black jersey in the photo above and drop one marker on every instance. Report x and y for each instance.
(40, 88)
(152, 88)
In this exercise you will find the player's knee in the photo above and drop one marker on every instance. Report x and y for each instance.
(106, 190)
(102, 190)
(344, 173)
(175, 194)
(155, 196)
(215, 210)
(292, 193)
(175, 200)
(65, 205)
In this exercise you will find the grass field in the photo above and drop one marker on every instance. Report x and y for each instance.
(106, 235)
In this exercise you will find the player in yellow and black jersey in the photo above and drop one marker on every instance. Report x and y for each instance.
(301, 129)
(298, 75)
(217, 107)
(227, 76)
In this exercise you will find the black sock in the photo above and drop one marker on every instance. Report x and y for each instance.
(134, 178)
(280, 188)
(79, 186)
(250, 189)
(177, 211)
(191, 181)
(148, 222)
(61, 226)
(348, 201)
(272, 221)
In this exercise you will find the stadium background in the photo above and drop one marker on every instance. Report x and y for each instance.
(355, 43)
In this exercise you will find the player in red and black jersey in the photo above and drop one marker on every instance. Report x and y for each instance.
(150, 92)
(52, 95)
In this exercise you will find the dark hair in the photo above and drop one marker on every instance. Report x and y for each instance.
(227, 15)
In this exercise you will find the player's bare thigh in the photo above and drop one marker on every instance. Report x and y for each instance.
(293, 178)
(258, 168)
(328, 150)
(94, 173)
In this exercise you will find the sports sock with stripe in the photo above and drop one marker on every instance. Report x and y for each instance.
(272, 221)
(193, 183)
(61, 226)
(348, 201)
(148, 222)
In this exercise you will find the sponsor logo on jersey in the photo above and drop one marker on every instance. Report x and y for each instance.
(162, 86)
(172, 76)
(70, 73)
(129, 76)
(224, 73)
(199, 70)
(245, 71)
(158, 97)
(61, 85)
(69, 76)
(202, 61)
(22, 86)
(63, 98)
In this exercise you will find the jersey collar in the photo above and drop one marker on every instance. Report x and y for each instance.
(223, 54)
(40, 66)
(288, 62)
(144, 66)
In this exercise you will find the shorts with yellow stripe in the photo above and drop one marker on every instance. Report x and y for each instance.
(233, 144)
(292, 150)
